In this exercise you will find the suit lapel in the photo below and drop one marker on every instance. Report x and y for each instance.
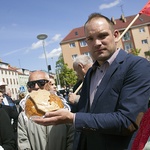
(105, 81)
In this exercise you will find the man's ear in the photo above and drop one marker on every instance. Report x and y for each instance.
(116, 35)
(80, 65)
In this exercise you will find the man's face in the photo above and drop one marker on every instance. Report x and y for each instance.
(37, 80)
(2, 88)
(101, 39)
(79, 69)
(1, 97)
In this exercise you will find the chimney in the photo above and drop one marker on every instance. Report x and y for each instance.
(113, 20)
(123, 18)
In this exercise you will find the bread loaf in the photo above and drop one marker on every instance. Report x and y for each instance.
(41, 101)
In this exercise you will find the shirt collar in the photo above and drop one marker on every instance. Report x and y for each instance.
(110, 60)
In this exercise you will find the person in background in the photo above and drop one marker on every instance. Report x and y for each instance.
(1, 97)
(81, 65)
(114, 94)
(13, 115)
(51, 86)
(7, 97)
(7, 139)
(20, 97)
(37, 137)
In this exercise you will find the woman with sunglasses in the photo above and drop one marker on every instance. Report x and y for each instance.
(36, 137)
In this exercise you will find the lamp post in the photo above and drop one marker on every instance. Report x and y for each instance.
(57, 77)
(43, 37)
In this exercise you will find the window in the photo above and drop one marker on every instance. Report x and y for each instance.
(72, 45)
(144, 41)
(14, 81)
(83, 43)
(128, 46)
(7, 81)
(74, 56)
(87, 53)
(141, 29)
(126, 37)
(12, 91)
(11, 81)
(76, 33)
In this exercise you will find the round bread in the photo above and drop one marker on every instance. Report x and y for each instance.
(40, 107)
(31, 109)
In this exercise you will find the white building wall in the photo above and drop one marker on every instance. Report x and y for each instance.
(11, 79)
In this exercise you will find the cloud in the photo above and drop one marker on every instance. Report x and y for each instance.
(112, 4)
(54, 53)
(14, 51)
(38, 44)
(56, 38)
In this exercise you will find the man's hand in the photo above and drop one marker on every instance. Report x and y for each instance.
(61, 116)
(73, 98)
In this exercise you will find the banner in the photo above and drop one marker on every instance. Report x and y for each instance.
(146, 9)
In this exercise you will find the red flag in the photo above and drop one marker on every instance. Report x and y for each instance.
(146, 9)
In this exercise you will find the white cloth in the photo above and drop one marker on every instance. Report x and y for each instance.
(1, 148)
(5, 101)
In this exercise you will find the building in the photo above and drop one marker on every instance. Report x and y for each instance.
(14, 78)
(137, 37)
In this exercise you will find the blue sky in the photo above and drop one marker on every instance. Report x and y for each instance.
(22, 20)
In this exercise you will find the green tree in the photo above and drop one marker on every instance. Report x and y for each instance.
(67, 76)
(135, 51)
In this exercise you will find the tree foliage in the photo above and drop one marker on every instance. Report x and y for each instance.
(135, 51)
(67, 76)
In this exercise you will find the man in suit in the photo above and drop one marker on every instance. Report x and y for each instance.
(114, 94)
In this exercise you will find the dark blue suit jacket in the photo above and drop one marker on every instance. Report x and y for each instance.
(118, 106)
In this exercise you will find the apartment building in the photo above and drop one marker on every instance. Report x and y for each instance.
(15, 79)
(137, 37)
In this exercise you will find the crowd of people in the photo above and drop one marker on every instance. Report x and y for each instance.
(107, 112)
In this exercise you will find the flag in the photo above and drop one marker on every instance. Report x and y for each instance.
(146, 9)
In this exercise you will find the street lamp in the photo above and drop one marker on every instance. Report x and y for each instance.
(43, 37)
(57, 77)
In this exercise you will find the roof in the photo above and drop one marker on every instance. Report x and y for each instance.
(75, 34)
(78, 33)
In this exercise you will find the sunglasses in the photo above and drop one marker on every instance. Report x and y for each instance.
(40, 83)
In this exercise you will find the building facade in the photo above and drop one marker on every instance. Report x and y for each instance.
(14, 78)
(137, 37)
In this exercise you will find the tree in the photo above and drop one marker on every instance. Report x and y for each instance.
(135, 51)
(67, 76)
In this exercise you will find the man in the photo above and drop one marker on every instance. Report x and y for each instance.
(7, 100)
(36, 137)
(9, 106)
(81, 65)
(7, 140)
(13, 115)
(114, 94)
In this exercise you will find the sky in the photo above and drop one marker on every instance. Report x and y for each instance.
(22, 20)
